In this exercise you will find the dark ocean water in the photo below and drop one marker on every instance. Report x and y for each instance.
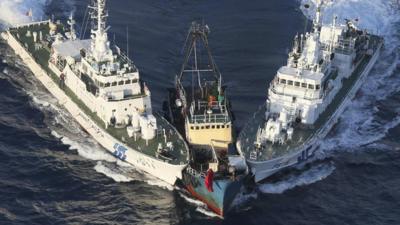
(51, 172)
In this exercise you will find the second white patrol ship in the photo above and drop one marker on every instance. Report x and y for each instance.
(305, 99)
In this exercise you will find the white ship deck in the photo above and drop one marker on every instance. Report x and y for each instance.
(302, 135)
(40, 51)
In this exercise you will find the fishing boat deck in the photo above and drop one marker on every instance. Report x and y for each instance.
(40, 51)
(205, 111)
(301, 135)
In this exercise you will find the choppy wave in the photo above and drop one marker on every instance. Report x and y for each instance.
(310, 176)
(200, 206)
(114, 174)
(242, 198)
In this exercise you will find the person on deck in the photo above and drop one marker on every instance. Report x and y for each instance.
(62, 81)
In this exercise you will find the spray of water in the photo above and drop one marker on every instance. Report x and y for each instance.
(14, 12)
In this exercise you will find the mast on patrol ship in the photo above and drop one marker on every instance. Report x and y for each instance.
(100, 46)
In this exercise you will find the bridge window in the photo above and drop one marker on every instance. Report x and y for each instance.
(121, 82)
(213, 127)
(303, 85)
(317, 86)
(283, 81)
(107, 84)
(297, 84)
(227, 126)
(222, 126)
(290, 82)
(217, 126)
(114, 83)
(311, 86)
(197, 127)
(192, 127)
(207, 127)
(127, 81)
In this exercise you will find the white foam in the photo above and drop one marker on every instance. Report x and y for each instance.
(153, 181)
(40, 103)
(200, 206)
(309, 176)
(88, 150)
(242, 198)
(55, 134)
(115, 175)
(206, 212)
(14, 12)
(192, 200)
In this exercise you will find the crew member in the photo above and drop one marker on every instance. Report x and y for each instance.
(62, 81)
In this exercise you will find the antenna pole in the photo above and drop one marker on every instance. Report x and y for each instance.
(127, 41)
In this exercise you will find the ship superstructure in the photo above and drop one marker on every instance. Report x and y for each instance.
(323, 71)
(102, 75)
(101, 87)
(198, 107)
(203, 102)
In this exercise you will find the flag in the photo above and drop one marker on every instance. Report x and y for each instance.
(208, 181)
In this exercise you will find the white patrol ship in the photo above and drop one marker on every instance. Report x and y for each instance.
(101, 87)
(324, 71)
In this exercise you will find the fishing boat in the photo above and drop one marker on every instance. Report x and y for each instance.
(199, 108)
(323, 73)
(102, 89)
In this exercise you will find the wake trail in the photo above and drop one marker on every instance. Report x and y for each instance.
(310, 176)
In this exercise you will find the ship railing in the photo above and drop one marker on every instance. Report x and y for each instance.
(304, 97)
(29, 24)
(126, 97)
(193, 172)
(216, 105)
(176, 132)
(211, 118)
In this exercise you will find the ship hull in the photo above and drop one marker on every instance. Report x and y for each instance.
(220, 199)
(157, 168)
(306, 152)
(264, 169)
